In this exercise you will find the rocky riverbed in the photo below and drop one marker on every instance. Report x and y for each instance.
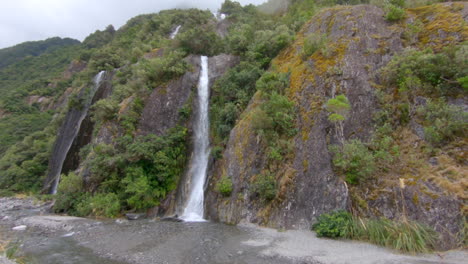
(40, 237)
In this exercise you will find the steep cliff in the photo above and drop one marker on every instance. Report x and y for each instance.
(359, 42)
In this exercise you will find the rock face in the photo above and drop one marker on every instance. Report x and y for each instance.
(162, 108)
(307, 185)
(72, 161)
(75, 132)
(360, 42)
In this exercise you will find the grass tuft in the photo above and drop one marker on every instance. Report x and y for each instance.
(403, 235)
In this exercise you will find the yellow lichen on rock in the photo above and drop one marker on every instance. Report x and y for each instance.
(443, 25)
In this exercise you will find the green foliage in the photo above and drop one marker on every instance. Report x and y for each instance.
(100, 38)
(403, 235)
(442, 122)
(230, 96)
(427, 72)
(6, 193)
(217, 152)
(100, 205)
(141, 171)
(224, 186)
(70, 195)
(162, 69)
(264, 185)
(200, 40)
(399, 3)
(23, 165)
(339, 106)
(272, 82)
(105, 59)
(21, 51)
(104, 110)
(394, 13)
(15, 127)
(266, 44)
(332, 225)
(280, 110)
(230, 7)
(463, 82)
(70, 183)
(354, 160)
(313, 43)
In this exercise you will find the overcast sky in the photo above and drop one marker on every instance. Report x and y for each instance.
(25, 20)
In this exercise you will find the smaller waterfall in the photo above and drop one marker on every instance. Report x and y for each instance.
(193, 212)
(175, 32)
(67, 134)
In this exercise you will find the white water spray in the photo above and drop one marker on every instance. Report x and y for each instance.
(193, 212)
(97, 81)
(175, 32)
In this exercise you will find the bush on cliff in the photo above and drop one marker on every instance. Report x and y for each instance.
(224, 186)
(403, 235)
(264, 185)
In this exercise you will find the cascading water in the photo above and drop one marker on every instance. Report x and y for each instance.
(175, 32)
(193, 211)
(67, 134)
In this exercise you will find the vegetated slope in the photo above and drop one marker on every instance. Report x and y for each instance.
(401, 108)
(308, 115)
(29, 83)
(21, 51)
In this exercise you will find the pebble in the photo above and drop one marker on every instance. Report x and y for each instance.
(19, 228)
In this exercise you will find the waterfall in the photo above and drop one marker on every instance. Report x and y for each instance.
(175, 32)
(67, 134)
(193, 212)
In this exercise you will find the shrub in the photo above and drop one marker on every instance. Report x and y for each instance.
(264, 185)
(313, 43)
(101, 204)
(443, 122)
(394, 13)
(281, 111)
(399, 3)
(71, 183)
(6, 193)
(272, 82)
(69, 194)
(138, 188)
(339, 108)
(354, 160)
(404, 235)
(217, 152)
(333, 225)
(224, 186)
(200, 40)
(162, 69)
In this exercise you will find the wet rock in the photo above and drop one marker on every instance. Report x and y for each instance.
(121, 221)
(172, 219)
(19, 228)
(135, 216)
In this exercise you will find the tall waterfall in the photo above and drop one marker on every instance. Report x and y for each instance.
(175, 32)
(193, 211)
(67, 134)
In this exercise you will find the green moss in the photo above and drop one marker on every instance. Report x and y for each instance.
(443, 25)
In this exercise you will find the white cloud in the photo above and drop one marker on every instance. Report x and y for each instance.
(26, 20)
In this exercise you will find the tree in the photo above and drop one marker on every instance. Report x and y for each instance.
(339, 108)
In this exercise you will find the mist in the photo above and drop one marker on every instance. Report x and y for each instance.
(29, 20)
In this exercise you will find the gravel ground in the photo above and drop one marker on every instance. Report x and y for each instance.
(53, 239)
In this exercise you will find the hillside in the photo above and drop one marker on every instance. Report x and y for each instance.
(345, 116)
(21, 51)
